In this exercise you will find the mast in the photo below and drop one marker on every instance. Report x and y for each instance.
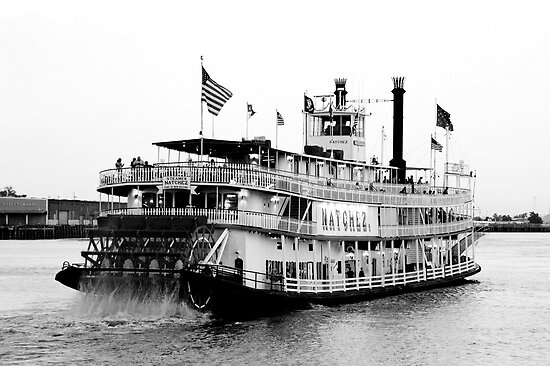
(382, 148)
(446, 170)
(202, 114)
(276, 130)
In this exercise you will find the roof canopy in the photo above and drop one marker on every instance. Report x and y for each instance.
(217, 148)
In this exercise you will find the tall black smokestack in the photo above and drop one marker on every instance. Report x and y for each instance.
(340, 93)
(397, 160)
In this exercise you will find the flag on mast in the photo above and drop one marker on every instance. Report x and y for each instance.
(250, 110)
(213, 94)
(444, 119)
(308, 104)
(280, 120)
(436, 145)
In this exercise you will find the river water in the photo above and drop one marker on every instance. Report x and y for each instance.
(502, 316)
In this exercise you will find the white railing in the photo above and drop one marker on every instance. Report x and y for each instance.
(274, 222)
(226, 217)
(428, 229)
(249, 175)
(387, 280)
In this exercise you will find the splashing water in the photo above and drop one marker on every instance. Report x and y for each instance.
(129, 300)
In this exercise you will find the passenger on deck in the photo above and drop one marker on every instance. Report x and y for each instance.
(446, 190)
(357, 185)
(419, 181)
(404, 190)
(361, 273)
(139, 163)
(119, 164)
(133, 163)
(350, 273)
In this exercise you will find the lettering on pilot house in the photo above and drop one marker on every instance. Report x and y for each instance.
(346, 220)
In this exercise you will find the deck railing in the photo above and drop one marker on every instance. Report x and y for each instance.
(264, 281)
(427, 229)
(358, 283)
(250, 175)
(226, 217)
(274, 222)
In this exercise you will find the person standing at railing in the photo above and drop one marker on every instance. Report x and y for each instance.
(118, 166)
(239, 265)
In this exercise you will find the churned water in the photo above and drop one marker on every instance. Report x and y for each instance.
(501, 317)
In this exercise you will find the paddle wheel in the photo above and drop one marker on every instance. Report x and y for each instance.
(140, 251)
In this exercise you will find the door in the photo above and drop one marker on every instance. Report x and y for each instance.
(63, 217)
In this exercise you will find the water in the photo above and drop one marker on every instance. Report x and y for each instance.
(501, 317)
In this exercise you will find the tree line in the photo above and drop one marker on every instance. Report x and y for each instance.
(531, 217)
(8, 191)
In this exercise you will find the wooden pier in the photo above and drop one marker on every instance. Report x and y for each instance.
(40, 232)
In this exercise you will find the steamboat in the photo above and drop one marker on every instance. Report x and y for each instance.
(245, 227)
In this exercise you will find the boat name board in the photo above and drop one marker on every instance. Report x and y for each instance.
(346, 219)
(176, 182)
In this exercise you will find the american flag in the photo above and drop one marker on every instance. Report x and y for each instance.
(436, 145)
(444, 119)
(213, 94)
(280, 120)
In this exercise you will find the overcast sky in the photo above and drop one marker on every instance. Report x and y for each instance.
(82, 84)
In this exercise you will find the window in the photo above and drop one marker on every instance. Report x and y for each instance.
(149, 199)
(230, 201)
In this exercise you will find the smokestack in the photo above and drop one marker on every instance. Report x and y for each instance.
(397, 161)
(340, 92)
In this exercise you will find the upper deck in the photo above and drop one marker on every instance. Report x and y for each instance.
(258, 166)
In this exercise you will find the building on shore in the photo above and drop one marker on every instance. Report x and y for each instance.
(16, 211)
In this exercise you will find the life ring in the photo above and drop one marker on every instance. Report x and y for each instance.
(456, 167)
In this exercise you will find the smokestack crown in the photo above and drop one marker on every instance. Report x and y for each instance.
(340, 92)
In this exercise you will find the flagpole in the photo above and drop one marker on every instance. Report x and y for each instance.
(431, 151)
(382, 148)
(276, 130)
(446, 156)
(435, 137)
(202, 111)
(304, 129)
(212, 126)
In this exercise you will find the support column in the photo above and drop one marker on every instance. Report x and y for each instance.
(343, 267)
(296, 243)
(314, 261)
(417, 264)
(357, 263)
(329, 268)
(284, 260)
(382, 264)
(392, 262)
(449, 245)
(403, 260)
(459, 252)
(369, 266)
(473, 249)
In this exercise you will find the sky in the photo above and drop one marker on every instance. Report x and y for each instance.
(83, 83)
